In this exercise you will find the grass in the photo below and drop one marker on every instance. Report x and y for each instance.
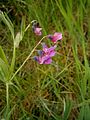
(60, 91)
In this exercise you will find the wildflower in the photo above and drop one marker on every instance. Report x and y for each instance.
(45, 55)
(36, 28)
(54, 38)
(49, 51)
(37, 31)
(43, 59)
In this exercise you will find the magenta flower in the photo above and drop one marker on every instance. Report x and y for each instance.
(37, 31)
(45, 55)
(49, 51)
(36, 28)
(54, 38)
(43, 59)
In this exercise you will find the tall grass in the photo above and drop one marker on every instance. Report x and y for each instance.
(60, 91)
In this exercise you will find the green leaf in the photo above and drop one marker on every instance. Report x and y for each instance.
(4, 71)
(22, 27)
(87, 112)
(4, 17)
(19, 35)
(17, 39)
(13, 61)
(67, 109)
(84, 113)
(3, 56)
(81, 114)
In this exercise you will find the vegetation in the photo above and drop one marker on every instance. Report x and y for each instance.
(32, 91)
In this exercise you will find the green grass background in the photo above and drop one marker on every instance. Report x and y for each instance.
(60, 91)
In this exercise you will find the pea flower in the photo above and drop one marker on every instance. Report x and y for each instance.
(49, 51)
(43, 59)
(54, 38)
(36, 28)
(45, 55)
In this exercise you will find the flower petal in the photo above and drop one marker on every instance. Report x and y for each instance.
(51, 54)
(37, 31)
(35, 58)
(48, 61)
(42, 59)
(40, 52)
(54, 38)
(57, 36)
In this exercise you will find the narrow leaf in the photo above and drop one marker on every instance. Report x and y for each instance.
(3, 56)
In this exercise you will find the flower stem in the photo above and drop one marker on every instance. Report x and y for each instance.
(29, 25)
(7, 98)
(27, 58)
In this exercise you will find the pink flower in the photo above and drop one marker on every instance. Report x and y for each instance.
(54, 38)
(37, 31)
(36, 28)
(45, 54)
(43, 59)
(49, 51)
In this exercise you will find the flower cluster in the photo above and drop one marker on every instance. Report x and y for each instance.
(45, 55)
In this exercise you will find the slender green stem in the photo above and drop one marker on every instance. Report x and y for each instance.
(27, 58)
(12, 64)
(29, 25)
(7, 95)
(13, 59)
